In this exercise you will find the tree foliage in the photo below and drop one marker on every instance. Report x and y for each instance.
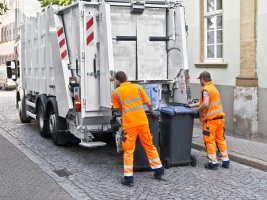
(45, 3)
(3, 8)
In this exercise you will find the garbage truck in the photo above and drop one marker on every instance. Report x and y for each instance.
(69, 56)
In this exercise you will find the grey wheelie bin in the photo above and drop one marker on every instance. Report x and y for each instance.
(140, 158)
(176, 130)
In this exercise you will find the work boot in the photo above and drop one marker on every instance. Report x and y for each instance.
(225, 164)
(158, 176)
(211, 166)
(127, 183)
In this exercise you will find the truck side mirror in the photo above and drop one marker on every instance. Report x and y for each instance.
(9, 72)
(17, 72)
(8, 63)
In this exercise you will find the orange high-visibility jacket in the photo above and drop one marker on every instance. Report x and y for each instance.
(130, 98)
(215, 108)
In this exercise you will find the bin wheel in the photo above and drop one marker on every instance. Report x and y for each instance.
(167, 163)
(193, 161)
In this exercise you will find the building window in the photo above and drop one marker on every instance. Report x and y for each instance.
(213, 31)
(14, 31)
(9, 32)
(6, 33)
(2, 34)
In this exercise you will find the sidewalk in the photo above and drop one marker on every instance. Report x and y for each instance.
(23, 179)
(249, 152)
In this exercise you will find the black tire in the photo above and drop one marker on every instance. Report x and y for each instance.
(193, 161)
(42, 122)
(22, 109)
(53, 125)
(57, 126)
(167, 163)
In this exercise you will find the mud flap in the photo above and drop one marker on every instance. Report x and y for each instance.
(64, 137)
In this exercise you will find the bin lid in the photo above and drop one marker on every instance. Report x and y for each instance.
(173, 110)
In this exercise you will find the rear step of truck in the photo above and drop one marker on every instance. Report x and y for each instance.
(92, 144)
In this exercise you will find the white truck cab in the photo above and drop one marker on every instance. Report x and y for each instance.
(7, 74)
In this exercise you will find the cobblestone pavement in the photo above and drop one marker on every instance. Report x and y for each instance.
(95, 173)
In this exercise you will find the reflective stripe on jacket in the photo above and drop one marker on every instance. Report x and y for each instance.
(131, 98)
(215, 109)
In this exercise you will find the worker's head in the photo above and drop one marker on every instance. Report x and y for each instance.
(120, 77)
(204, 77)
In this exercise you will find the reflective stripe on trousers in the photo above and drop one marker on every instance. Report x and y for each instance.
(213, 135)
(128, 146)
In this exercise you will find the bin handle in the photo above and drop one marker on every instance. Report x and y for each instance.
(155, 90)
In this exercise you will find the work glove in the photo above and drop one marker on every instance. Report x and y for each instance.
(155, 113)
(195, 111)
(118, 139)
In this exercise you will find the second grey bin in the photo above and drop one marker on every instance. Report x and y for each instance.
(176, 130)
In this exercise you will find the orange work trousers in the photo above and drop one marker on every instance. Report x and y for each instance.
(128, 146)
(213, 135)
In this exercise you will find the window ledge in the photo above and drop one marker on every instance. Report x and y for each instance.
(211, 65)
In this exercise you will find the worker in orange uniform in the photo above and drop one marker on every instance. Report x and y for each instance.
(211, 113)
(129, 99)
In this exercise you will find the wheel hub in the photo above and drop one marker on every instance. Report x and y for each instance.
(52, 123)
(40, 118)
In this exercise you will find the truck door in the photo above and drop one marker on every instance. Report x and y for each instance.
(98, 60)
(152, 54)
(105, 53)
(117, 49)
(133, 52)
(124, 40)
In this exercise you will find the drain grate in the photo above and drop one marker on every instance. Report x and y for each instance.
(62, 172)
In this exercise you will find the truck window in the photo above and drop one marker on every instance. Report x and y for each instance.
(9, 72)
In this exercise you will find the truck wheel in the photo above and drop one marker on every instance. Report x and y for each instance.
(22, 109)
(53, 126)
(42, 123)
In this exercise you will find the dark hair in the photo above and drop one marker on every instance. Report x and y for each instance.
(205, 76)
(121, 76)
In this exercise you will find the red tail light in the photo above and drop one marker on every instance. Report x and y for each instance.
(77, 105)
